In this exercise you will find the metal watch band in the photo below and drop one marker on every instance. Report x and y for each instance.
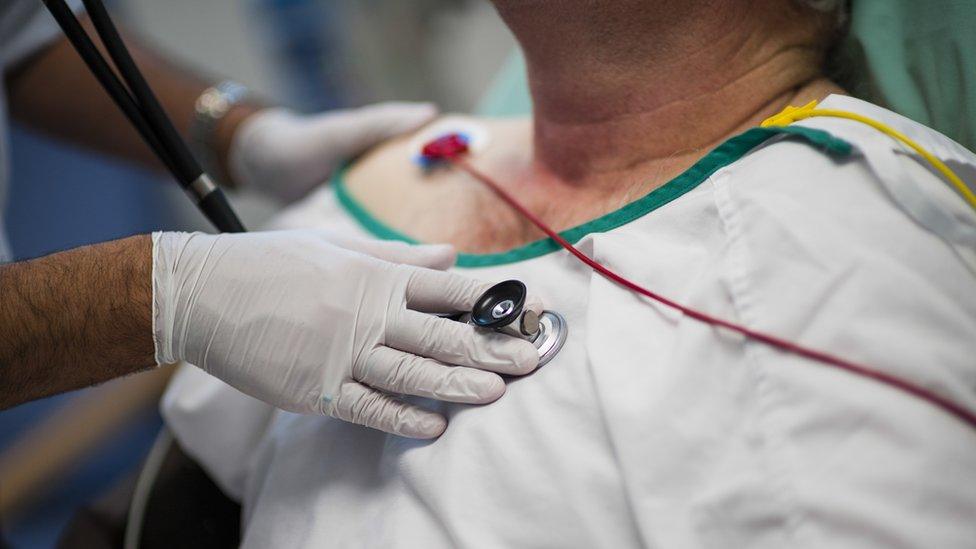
(210, 108)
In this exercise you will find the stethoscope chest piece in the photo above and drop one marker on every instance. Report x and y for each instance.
(501, 308)
(551, 336)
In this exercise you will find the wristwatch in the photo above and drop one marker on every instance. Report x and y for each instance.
(210, 108)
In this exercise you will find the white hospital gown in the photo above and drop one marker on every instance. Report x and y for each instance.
(650, 429)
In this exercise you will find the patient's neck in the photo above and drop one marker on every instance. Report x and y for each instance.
(623, 86)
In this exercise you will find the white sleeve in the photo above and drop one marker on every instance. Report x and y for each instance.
(26, 26)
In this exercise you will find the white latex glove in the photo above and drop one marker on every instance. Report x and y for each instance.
(293, 319)
(286, 154)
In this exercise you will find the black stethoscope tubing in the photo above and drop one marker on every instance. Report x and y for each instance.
(138, 103)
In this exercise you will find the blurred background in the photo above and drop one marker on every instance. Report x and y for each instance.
(306, 54)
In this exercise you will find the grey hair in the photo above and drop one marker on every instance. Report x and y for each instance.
(838, 8)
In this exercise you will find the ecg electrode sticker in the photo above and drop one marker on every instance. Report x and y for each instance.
(475, 134)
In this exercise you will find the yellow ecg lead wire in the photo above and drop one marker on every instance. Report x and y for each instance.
(791, 114)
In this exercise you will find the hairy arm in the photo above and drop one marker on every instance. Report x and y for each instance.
(54, 92)
(74, 319)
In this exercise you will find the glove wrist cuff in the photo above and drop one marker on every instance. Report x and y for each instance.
(166, 247)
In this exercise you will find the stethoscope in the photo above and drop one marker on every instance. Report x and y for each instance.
(133, 96)
(501, 308)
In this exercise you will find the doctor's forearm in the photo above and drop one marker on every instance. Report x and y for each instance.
(74, 319)
(54, 92)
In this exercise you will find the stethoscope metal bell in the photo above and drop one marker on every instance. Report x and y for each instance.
(501, 308)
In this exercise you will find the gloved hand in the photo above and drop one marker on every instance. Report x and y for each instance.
(293, 319)
(286, 154)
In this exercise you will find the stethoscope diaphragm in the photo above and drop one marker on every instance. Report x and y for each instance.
(551, 336)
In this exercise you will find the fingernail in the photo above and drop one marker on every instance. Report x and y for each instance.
(439, 256)
(428, 426)
(525, 358)
(426, 111)
(436, 249)
(433, 426)
(491, 388)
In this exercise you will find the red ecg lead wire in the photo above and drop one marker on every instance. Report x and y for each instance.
(452, 147)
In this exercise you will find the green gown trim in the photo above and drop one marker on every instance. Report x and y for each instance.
(728, 152)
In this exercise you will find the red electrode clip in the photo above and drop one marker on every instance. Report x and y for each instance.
(445, 147)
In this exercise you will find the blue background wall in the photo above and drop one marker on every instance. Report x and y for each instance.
(63, 198)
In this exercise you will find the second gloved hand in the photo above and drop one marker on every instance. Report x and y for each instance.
(295, 320)
(285, 154)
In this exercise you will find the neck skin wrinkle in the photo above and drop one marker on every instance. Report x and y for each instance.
(619, 87)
